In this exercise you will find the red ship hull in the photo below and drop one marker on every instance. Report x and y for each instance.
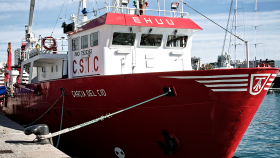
(205, 119)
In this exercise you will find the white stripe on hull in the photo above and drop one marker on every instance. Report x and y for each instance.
(213, 81)
(229, 90)
(227, 85)
(216, 76)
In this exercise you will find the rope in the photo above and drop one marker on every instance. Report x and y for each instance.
(227, 27)
(214, 22)
(60, 120)
(44, 113)
(97, 119)
(58, 17)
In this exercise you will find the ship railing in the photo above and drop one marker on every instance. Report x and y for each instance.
(126, 10)
(32, 52)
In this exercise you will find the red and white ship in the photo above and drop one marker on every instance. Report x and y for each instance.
(125, 57)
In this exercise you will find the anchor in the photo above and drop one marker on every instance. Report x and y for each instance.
(170, 146)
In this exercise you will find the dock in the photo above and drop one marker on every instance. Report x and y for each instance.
(15, 144)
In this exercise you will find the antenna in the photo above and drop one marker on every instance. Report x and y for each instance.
(256, 33)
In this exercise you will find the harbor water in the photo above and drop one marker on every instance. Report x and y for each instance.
(262, 138)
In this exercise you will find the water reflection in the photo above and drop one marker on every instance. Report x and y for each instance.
(262, 138)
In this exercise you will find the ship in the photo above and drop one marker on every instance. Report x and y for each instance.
(125, 57)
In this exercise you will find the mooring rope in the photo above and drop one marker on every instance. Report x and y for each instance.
(44, 113)
(60, 119)
(50, 135)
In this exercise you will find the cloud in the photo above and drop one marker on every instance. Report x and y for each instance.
(24, 5)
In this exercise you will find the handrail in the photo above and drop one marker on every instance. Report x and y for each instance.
(128, 9)
(109, 9)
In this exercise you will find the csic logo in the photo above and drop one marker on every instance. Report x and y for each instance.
(258, 81)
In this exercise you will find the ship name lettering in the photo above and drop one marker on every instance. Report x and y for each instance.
(95, 59)
(170, 22)
(86, 52)
(89, 93)
(149, 20)
(160, 21)
(74, 62)
(78, 94)
(101, 92)
(77, 53)
(136, 19)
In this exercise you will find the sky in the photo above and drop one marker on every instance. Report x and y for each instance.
(207, 44)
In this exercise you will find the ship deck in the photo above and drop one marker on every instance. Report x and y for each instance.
(14, 143)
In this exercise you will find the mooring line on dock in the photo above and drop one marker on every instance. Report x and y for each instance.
(44, 113)
(66, 130)
(61, 120)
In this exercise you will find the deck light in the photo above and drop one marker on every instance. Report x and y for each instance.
(135, 3)
(174, 5)
(85, 11)
(125, 2)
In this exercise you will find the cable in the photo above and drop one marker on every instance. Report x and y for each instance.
(227, 27)
(214, 22)
(58, 17)
(66, 11)
(44, 113)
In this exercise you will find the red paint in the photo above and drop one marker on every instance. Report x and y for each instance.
(203, 122)
(9, 64)
(143, 20)
(81, 70)
(75, 71)
(95, 59)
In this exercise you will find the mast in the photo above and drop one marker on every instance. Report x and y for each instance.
(235, 31)
(256, 33)
(182, 3)
(84, 5)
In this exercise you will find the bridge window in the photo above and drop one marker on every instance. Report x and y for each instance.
(84, 41)
(94, 39)
(151, 40)
(75, 44)
(125, 39)
(177, 41)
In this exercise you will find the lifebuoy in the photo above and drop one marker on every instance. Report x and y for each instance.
(52, 47)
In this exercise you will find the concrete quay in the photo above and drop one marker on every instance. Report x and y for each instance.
(15, 144)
